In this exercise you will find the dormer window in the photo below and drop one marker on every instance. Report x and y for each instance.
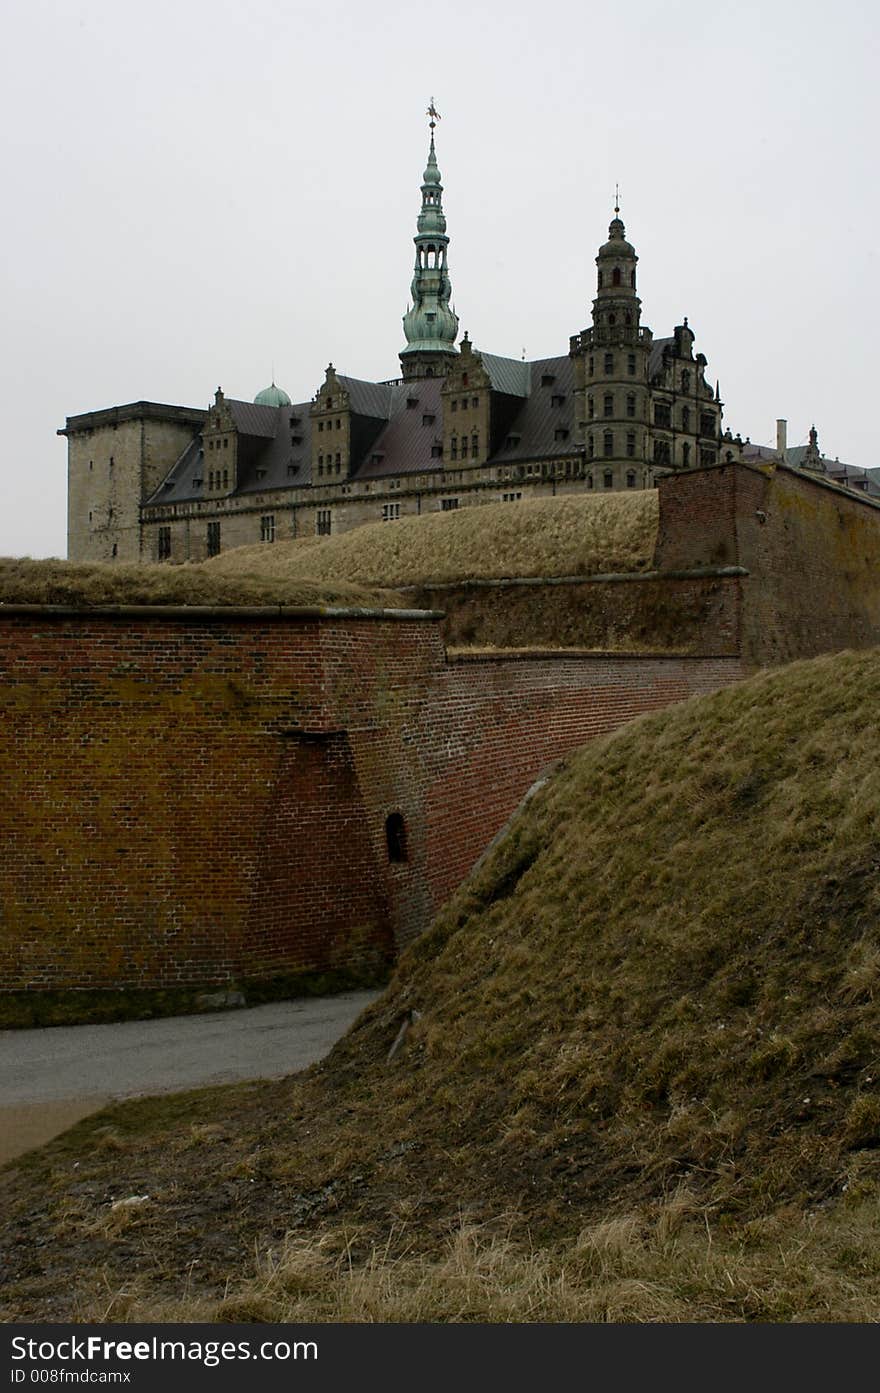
(560, 433)
(512, 441)
(547, 379)
(412, 403)
(428, 420)
(557, 399)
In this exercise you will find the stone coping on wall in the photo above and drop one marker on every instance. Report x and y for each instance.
(506, 655)
(198, 613)
(611, 578)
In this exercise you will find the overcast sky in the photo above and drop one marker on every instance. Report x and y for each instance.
(200, 192)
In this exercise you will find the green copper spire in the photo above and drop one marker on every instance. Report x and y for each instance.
(430, 325)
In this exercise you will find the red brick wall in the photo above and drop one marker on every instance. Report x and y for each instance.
(190, 800)
(812, 552)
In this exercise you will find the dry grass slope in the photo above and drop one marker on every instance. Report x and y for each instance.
(644, 1083)
(566, 536)
(86, 585)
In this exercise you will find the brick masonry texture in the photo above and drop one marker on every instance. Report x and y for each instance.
(196, 799)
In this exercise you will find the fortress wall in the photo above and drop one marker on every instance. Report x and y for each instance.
(683, 613)
(197, 800)
(811, 549)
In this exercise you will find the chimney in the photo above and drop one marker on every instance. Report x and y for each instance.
(781, 430)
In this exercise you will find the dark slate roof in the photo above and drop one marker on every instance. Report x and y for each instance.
(254, 420)
(267, 468)
(404, 445)
(838, 471)
(270, 466)
(368, 398)
(178, 484)
(655, 357)
(538, 419)
(508, 375)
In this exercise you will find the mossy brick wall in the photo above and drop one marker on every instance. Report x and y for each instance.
(196, 800)
(696, 613)
(811, 549)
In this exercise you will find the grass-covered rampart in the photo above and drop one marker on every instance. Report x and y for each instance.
(641, 1079)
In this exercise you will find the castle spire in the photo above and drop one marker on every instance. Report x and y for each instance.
(431, 325)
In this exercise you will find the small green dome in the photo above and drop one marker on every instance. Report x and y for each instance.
(272, 396)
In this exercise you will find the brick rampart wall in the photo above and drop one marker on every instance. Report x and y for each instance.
(196, 800)
(811, 550)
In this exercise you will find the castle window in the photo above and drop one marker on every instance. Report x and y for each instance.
(608, 444)
(612, 320)
(707, 457)
(213, 539)
(338, 464)
(163, 547)
(454, 404)
(412, 403)
(464, 383)
(91, 464)
(395, 838)
(662, 414)
(111, 461)
(210, 480)
(630, 405)
(547, 379)
(627, 318)
(338, 425)
(609, 362)
(590, 365)
(631, 444)
(631, 364)
(661, 452)
(322, 522)
(329, 403)
(511, 497)
(292, 469)
(589, 481)
(225, 443)
(267, 528)
(475, 446)
(320, 466)
(615, 276)
(590, 408)
(685, 381)
(320, 425)
(448, 505)
(436, 452)
(591, 446)
(608, 404)
(296, 440)
(608, 479)
(685, 418)
(707, 425)
(685, 454)
(557, 399)
(453, 448)
(428, 420)
(560, 433)
(630, 479)
(512, 441)
(390, 512)
(115, 549)
(90, 517)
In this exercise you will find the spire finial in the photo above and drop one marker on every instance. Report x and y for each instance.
(617, 200)
(434, 114)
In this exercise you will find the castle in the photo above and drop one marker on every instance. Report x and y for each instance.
(617, 410)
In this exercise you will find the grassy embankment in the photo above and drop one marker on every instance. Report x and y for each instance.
(644, 1081)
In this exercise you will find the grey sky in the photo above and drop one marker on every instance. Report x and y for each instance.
(196, 193)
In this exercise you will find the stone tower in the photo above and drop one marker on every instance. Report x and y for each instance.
(611, 370)
(430, 324)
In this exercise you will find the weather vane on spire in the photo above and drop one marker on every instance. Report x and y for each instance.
(616, 199)
(434, 115)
